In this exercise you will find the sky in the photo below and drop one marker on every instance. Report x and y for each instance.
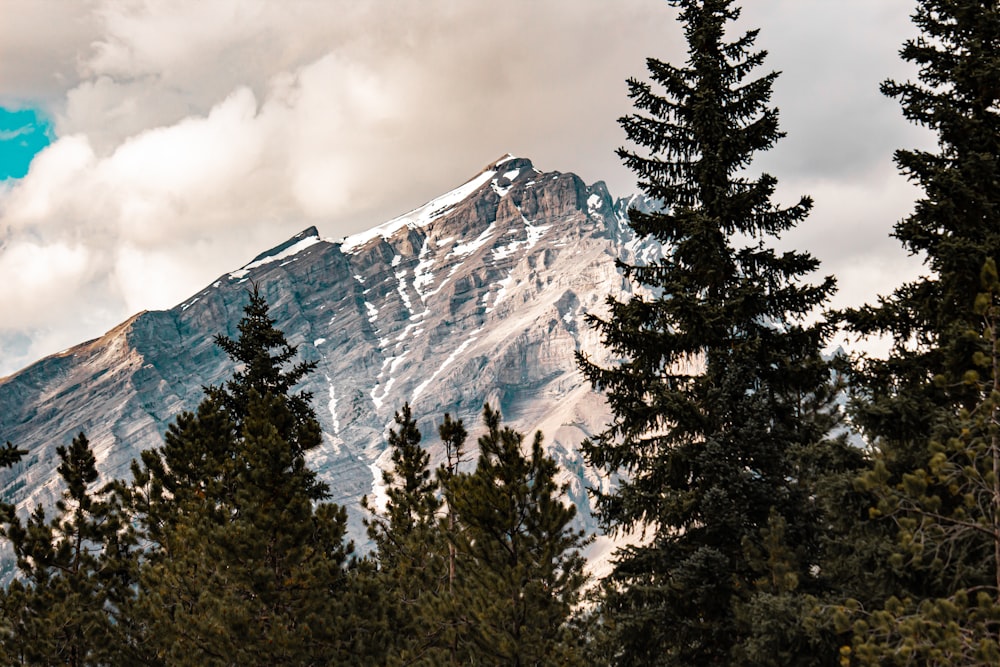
(172, 141)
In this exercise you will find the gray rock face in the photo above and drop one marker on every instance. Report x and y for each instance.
(477, 296)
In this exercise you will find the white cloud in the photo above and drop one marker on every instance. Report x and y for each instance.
(175, 180)
(147, 278)
(10, 135)
(38, 201)
(36, 278)
(193, 135)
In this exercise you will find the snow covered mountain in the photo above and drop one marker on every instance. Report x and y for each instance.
(476, 296)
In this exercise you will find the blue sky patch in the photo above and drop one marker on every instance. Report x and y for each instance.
(23, 133)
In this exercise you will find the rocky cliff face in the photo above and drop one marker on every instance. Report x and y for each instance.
(477, 296)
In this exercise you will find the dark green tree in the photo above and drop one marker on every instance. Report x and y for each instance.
(930, 407)
(446, 614)
(9, 455)
(411, 549)
(76, 574)
(712, 401)
(520, 567)
(412, 501)
(261, 353)
(453, 436)
(488, 574)
(247, 565)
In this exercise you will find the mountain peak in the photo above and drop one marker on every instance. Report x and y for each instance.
(499, 174)
(509, 162)
(480, 295)
(307, 237)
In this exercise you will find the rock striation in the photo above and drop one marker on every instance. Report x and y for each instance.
(477, 296)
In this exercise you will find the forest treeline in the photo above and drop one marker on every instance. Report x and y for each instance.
(221, 549)
(756, 533)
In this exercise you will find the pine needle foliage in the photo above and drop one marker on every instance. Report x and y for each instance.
(76, 574)
(410, 549)
(523, 569)
(717, 365)
(481, 567)
(931, 407)
(246, 563)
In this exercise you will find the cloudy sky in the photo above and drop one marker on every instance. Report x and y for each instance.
(174, 140)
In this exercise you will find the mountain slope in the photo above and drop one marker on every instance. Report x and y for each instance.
(476, 296)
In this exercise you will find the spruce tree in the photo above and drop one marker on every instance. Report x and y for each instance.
(931, 407)
(711, 418)
(247, 565)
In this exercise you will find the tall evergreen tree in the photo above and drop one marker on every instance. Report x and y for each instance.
(494, 577)
(447, 614)
(247, 565)
(931, 407)
(412, 502)
(410, 547)
(711, 418)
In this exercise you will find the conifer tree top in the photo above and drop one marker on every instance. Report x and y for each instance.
(711, 403)
(262, 353)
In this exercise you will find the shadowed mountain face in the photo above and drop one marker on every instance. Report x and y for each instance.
(477, 296)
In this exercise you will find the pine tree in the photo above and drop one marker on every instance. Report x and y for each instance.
(523, 571)
(453, 435)
(10, 455)
(412, 502)
(75, 573)
(711, 399)
(410, 545)
(445, 613)
(490, 576)
(930, 407)
(246, 564)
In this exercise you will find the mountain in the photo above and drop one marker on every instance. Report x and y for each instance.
(479, 295)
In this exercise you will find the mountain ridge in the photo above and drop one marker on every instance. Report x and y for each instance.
(478, 295)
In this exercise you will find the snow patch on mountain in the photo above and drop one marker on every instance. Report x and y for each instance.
(447, 362)
(290, 251)
(503, 286)
(332, 405)
(466, 249)
(379, 498)
(423, 277)
(401, 288)
(418, 217)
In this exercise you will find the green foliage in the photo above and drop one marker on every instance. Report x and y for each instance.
(68, 606)
(711, 403)
(246, 565)
(412, 503)
(492, 575)
(524, 571)
(411, 549)
(261, 352)
(10, 455)
(931, 407)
